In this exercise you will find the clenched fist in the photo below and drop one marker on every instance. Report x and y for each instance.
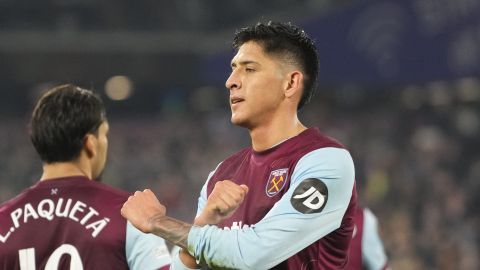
(142, 208)
(224, 200)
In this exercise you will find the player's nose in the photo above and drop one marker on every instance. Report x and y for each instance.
(233, 81)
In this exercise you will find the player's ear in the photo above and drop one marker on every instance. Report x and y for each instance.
(294, 84)
(89, 144)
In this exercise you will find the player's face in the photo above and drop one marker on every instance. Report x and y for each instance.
(102, 149)
(256, 86)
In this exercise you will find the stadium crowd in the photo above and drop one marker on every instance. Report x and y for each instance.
(416, 152)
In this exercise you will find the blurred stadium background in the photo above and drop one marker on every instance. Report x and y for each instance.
(399, 85)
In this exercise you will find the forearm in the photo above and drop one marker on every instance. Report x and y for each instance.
(185, 257)
(176, 232)
(172, 230)
(257, 246)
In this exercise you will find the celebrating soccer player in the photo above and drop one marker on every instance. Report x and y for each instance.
(68, 220)
(286, 202)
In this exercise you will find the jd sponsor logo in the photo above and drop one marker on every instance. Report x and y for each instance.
(310, 196)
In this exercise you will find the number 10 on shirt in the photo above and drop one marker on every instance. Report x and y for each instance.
(27, 258)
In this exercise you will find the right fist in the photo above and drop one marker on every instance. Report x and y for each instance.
(224, 200)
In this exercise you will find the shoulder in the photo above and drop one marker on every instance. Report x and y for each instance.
(109, 191)
(105, 199)
(14, 201)
(317, 139)
(326, 158)
(312, 142)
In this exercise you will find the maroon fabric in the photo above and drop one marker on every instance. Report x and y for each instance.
(355, 261)
(255, 168)
(88, 206)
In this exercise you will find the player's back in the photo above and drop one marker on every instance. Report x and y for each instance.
(65, 223)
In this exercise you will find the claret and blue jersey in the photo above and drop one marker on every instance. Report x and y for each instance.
(298, 213)
(74, 223)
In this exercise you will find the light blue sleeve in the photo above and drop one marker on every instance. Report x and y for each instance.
(285, 230)
(373, 253)
(202, 200)
(145, 251)
(177, 264)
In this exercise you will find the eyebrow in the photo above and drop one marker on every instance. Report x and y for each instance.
(243, 63)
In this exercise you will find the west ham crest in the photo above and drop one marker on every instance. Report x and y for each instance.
(276, 182)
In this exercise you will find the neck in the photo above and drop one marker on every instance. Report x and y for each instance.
(64, 169)
(272, 133)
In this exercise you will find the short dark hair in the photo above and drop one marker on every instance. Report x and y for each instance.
(62, 118)
(289, 41)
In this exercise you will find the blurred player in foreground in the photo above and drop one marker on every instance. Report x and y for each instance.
(286, 202)
(366, 248)
(68, 220)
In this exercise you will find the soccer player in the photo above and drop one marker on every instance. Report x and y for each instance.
(366, 248)
(68, 220)
(286, 202)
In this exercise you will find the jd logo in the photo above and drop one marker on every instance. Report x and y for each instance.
(310, 196)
